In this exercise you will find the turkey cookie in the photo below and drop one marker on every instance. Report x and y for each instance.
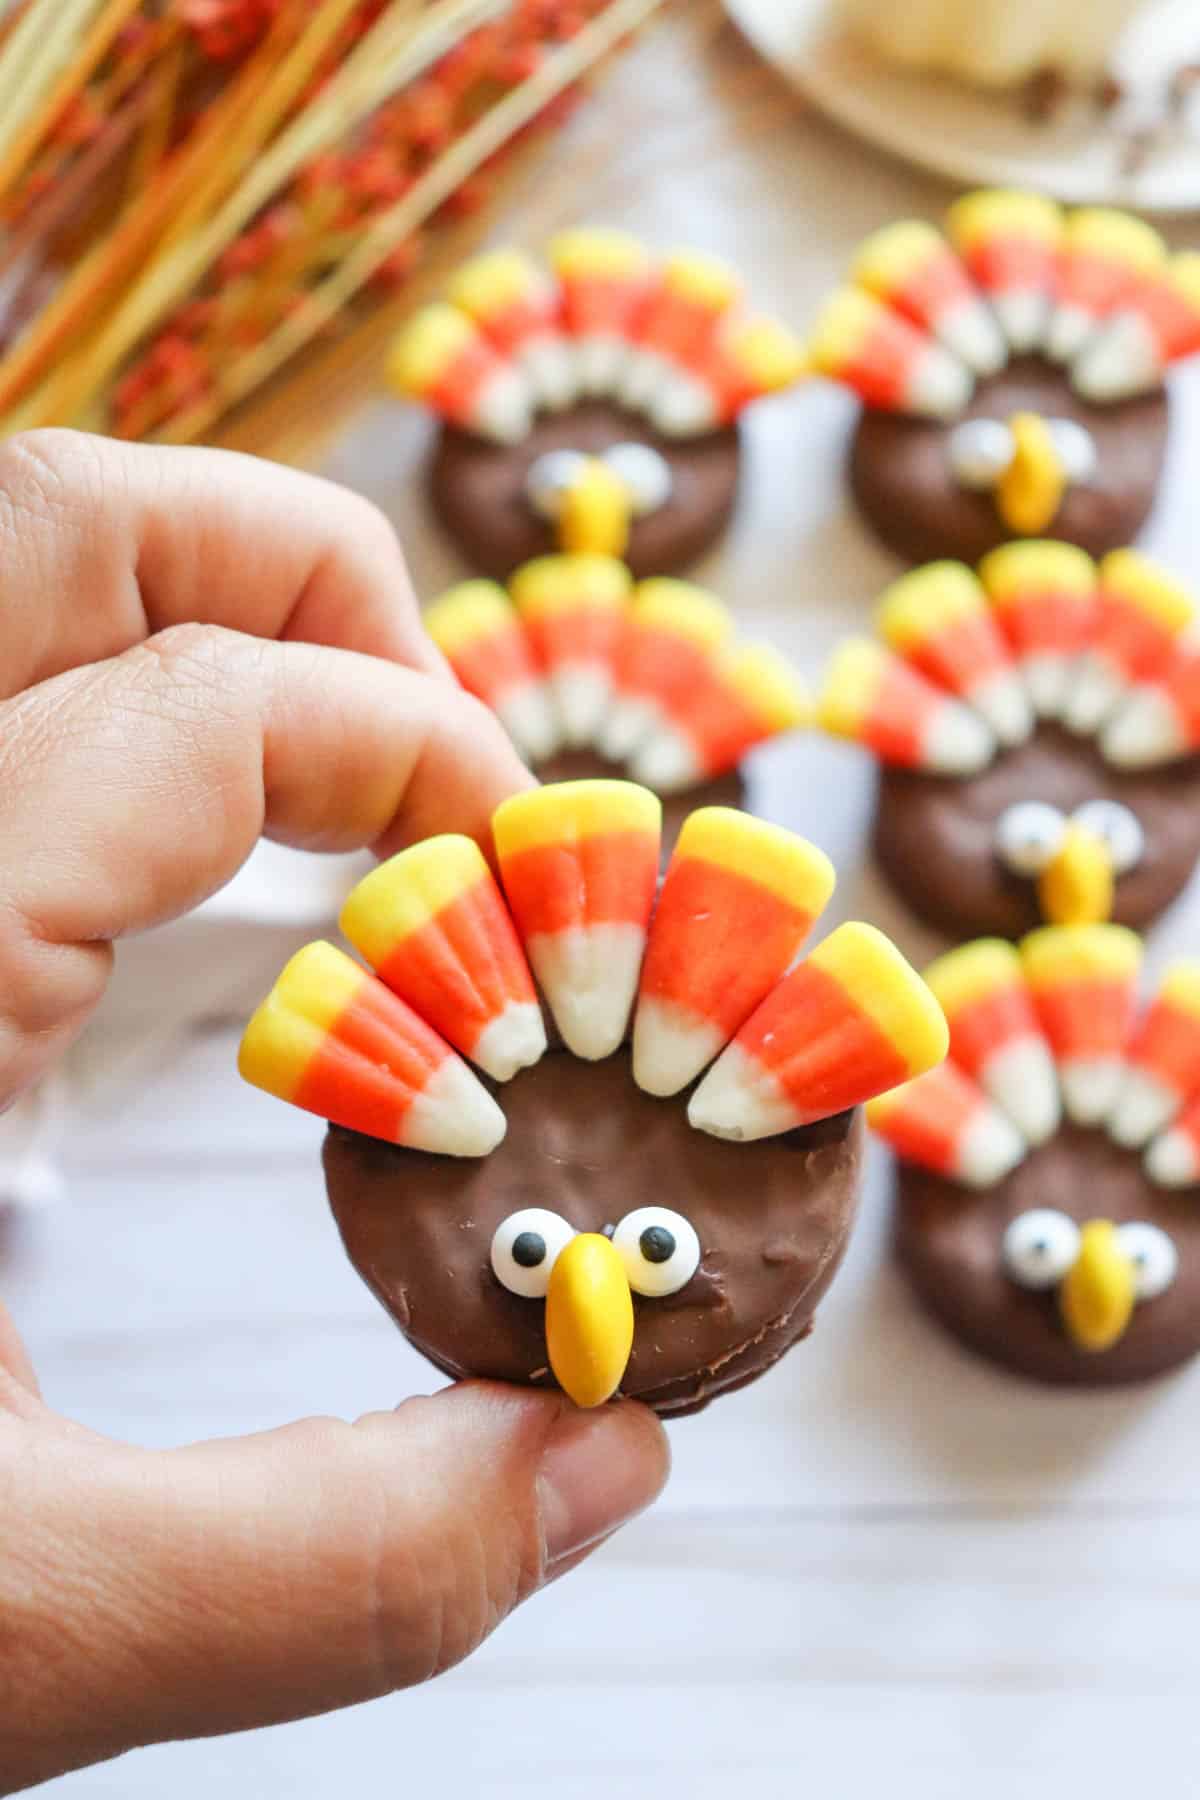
(650, 1197)
(591, 404)
(591, 674)
(1046, 1203)
(1011, 372)
(1037, 727)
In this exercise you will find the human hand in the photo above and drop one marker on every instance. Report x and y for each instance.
(196, 649)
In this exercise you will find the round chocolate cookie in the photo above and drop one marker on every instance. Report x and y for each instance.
(587, 765)
(949, 1240)
(901, 476)
(935, 835)
(772, 1220)
(478, 490)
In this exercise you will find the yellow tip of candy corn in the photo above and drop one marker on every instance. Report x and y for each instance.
(595, 250)
(312, 990)
(1104, 231)
(1148, 587)
(706, 280)
(771, 355)
(1180, 986)
(774, 858)
(679, 607)
(427, 344)
(769, 686)
(1183, 274)
(466, 613)
(570, 810)
(557, 584)
(1056, 955)
(851, 683)
(887, 258)
(990, 211)
(406, 891)
(926, 602)
(973, 972)
(1042, 566)
(840, 329)
(492, 280)
(1030, 491)
(884, 984)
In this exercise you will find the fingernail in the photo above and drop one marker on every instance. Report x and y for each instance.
(598, 1470)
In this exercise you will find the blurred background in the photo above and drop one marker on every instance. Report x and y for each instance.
(886, 1562)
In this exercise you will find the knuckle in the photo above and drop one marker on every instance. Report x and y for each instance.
(43, 473)
(368, 525)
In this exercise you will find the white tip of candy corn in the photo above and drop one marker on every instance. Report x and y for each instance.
(1089, 1087)
(970, 331)
(515, 1040)
(939, 385)
(670, 1046)
(1173, 1160)
(1070, 328)
(740, 1100)
(683, 407)
(1121, 360)
(599, 360)
(582, 692)
(630, 719)
(504, 409)
(549, 366)
(589, 974)
(991, 1148)
(1046, 677)
(454, 1115)
(646, 374)
(1144, 731)
(959, 743)
(1023, 314)
(666, 762)
(1144, 1105)
(1004, 702)
(528, 717)
(1095, 689)
(1021, 1079)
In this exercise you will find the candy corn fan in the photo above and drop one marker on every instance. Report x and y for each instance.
(1045, 1205)
(647, 1181)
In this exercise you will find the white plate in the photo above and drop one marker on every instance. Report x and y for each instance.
(972, 135)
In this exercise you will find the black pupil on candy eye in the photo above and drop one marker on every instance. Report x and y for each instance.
(657, 1244)
(529, 1249)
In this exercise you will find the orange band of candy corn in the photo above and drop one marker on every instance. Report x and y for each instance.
(925, 1120)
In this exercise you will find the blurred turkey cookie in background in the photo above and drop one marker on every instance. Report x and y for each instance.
(1036, 725)
(648, 1186)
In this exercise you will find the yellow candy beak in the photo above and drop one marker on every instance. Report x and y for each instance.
(1030, 491)
(595, 512)
(1076, 887)
(589, 1319)
(1097, 1295)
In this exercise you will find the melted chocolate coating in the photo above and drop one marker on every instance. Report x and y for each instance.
(901, 476)
(478, 490)
(586, 765)
(948, 1240)
(935, 834)
(773, 1219)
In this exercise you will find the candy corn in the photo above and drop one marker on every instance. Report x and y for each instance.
(1173, 1160)
(515, 303)
(676, 323)
(747, 358)
(433, 926)
(671, 635)
(994, 1033)
(442, 359)
(1083, 979)
(604, 277)
(889, 364)
(1140, 615)
(333, 1040)
(479, 632)
(942, 1122)
(740, 897)
(1010, 243)
(1044, 595)
(1104, 255)
(746, 695)
(1155, 325)
(579, 862)
(574, 608)
(874, 698)
(1159, 720)
(912, 269)
(851, 1021)
(938, 619)
(1162, 1058)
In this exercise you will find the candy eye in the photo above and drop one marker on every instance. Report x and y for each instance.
(1118, 828)
(1039, 1247)
(549, 477)
(1076, 448)
(980, 450)
(525, 1247)
(659, 1250)
(1153, 1255)
(646, 474)
(1029, 835)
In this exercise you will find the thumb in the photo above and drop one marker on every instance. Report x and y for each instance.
(241, 1583)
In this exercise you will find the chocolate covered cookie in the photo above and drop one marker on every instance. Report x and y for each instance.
(591, 404)
(1039, 1206)
(1037, 728)
(649, 1197)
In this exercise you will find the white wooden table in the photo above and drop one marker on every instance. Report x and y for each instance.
(884, 1567)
